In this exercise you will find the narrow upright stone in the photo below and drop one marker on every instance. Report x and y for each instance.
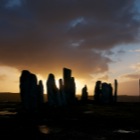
(62, 93)
(25, 89)
(97, 92)
(28, 91)
(40, 94)
(115, 90)
(52, 90)
(69, 86)
(84, 97)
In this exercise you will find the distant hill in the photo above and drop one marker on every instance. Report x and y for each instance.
(125, 98)
(9, 97)
(15, 97)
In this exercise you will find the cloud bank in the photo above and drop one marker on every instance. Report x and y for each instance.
(46, 35)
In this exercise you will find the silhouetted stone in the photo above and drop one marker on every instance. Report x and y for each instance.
(28, 90)
(69, 86)
(52, 91)
(67, 81)
(33, 92)
(110, 93)
(115, 90)
(105, 93)
(84, 96)
(25, 89)
(97, 92)
(40, 95)
(62, 93)
(72, 90)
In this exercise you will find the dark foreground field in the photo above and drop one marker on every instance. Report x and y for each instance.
(81, 122)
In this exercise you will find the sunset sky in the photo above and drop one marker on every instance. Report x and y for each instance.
(96, 39)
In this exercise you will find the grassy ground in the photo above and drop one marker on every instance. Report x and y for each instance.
(120, 121)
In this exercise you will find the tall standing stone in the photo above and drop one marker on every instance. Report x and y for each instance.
(25, 89)
(62, 93)
(72, 90)
(40, 94)
(69, 86)
(67, 79)
(110, 93)
(105, 93)
(33, 92)
(97, 91)
(52, 90)
(84, 96)
(28, 90)
(115, 90)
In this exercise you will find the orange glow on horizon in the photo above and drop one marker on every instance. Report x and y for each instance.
(9, 82)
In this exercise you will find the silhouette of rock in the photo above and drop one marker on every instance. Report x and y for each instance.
(62, 93)
(69, 86)
(84, 96)
(97, 92)
(40, 95)
(72, 90)
(28, 91)
(110, 93)
(103, 92)
(52, 91)
(25, 89)
(115, 90)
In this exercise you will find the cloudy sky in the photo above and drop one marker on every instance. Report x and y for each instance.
(96, 39)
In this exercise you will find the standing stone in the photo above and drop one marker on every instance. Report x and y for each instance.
(72, 91)
(110, 93)
(97, 92)
(105, 93)
(115, 90)
(25, 89)
(33, 92)
(28, 90)
(40, 94)
(67, 79)
(69, 86)
(52, 90)
(62, 93)
(84, 97)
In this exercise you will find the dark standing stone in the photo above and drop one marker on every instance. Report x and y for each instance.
(62, 93)
(40, 95)
(115, 90)
(52, 91)
(72, 91)
(105, 93)
(28, 91)
(33, 92)
(97, 92)
(25, 89)
(69, 86)
(110, 93)
(84, 97)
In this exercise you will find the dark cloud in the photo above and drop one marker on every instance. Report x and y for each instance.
(46, 35)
